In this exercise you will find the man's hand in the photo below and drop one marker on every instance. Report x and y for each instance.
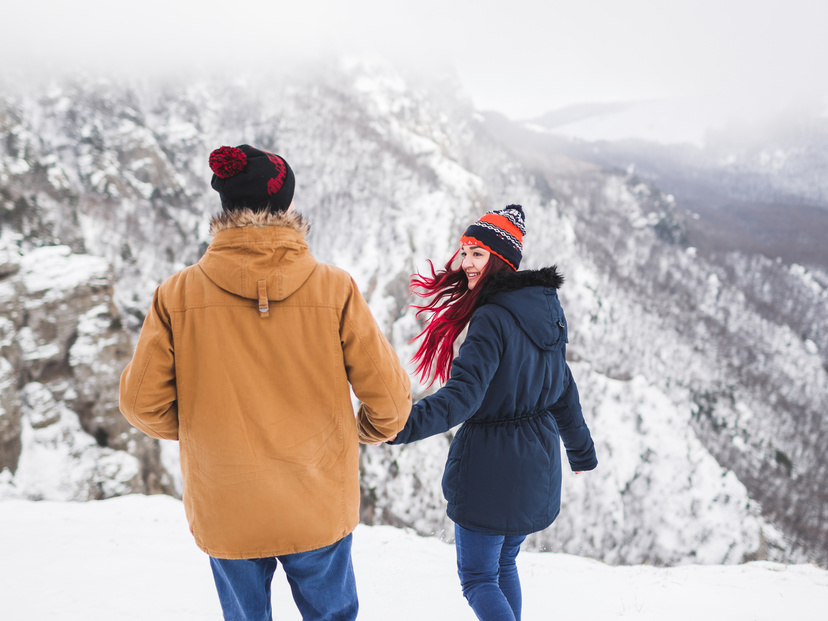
(384, 441)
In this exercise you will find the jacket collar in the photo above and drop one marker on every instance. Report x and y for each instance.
(259, 256)
(512, 281)
(258, 219)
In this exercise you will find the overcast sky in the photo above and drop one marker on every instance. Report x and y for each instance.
(520, 57)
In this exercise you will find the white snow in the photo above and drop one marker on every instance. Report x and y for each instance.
(18, 167)
(89, 342)
(133, 558)
(50, 270)
(58, 460)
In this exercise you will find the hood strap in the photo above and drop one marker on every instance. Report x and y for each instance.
(264, 305)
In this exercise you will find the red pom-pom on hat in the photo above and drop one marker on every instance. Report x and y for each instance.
(226, 162)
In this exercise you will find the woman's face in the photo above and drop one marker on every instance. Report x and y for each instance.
(474, 259)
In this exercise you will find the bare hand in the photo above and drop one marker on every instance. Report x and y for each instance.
(384, 441)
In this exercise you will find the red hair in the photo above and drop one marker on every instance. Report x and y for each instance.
(451, 308)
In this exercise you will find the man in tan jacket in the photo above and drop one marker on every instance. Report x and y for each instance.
(246, 359)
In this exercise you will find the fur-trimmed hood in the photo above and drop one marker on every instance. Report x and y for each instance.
(531, 296)
(512, 281)
(258, 219)
(258, 255)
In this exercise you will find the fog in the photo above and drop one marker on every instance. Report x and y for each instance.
(522, 58)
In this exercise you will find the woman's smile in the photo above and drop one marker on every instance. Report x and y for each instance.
(474, 260)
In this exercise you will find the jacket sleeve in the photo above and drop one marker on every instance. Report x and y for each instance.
(580, 450)
(148, 395)
(471, 372)
(374, 372)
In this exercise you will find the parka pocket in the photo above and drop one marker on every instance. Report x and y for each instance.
(450, 479)
(451, 475)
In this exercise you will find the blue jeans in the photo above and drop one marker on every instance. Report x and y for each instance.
(488, 573)
(322, 582)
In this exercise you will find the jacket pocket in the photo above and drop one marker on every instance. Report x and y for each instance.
(451, 475)
(450, 478)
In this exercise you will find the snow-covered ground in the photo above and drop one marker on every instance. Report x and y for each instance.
(133, 558)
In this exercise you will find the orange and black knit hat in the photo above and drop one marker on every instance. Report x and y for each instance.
(248, 177)
(500, 232)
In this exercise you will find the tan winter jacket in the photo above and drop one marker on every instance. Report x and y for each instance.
(246, 359)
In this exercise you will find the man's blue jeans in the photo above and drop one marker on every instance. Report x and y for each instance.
(322, 582)
(488, 573)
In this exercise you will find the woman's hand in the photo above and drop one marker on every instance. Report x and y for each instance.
(391, 439)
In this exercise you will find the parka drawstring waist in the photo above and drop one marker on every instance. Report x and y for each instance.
(537, 412)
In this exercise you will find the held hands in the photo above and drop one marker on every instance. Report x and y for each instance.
(391, 439)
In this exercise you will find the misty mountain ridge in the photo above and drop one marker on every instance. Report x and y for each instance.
(700, 121)
(746, 179)
(703, 374)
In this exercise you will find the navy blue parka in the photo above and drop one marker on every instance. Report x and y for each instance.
(513, 392)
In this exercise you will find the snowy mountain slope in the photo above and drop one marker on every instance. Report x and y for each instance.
(750, 326)
(678, 359)
(755, 385)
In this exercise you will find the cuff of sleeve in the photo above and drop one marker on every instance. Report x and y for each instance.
(402, 438)
(583, 465)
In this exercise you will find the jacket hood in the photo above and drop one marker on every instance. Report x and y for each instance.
(531, 296)
(258, 255)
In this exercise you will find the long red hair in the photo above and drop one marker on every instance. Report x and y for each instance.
(451, 306)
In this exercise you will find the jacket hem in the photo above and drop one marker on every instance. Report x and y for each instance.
(537, 526)
(271, 552)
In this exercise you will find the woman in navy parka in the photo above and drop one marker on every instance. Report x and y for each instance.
(512, 390)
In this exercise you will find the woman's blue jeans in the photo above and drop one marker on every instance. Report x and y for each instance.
(322, 582)
(488, 573)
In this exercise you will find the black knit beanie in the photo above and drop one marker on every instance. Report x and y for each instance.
(246, 177)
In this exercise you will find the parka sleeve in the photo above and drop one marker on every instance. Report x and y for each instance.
(374, 372)
(471, 373)
(148, 394)
(580, 449)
